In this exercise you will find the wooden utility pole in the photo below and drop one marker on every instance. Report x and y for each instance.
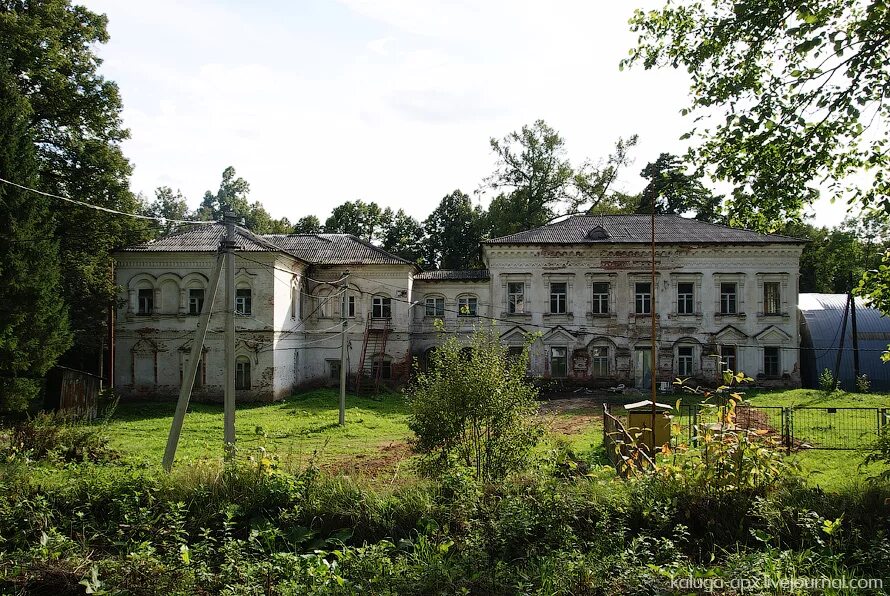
(343, 374)
(229, 246)
(654, 365)
(191, 367)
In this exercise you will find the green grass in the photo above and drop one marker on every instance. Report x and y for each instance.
(294, 429)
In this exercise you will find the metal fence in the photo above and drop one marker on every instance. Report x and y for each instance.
(801, 427)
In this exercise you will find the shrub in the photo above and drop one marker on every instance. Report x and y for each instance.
(54, 435)
(863, 384)
(827, 382)
(474, 407)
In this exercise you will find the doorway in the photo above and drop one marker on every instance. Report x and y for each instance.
(643, 368)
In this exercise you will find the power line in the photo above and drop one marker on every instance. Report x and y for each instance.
(105, 209)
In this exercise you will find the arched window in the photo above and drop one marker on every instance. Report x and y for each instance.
(434, 306)
(242, 372)
(467, 305)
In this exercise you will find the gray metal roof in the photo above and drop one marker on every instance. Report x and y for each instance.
(453, 275)
(822, 316)
(627, 229)
(321, 249)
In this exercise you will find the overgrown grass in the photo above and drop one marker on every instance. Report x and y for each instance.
(295, 428)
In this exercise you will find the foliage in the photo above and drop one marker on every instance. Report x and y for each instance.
(474, 407)
(51, 435)
(453, 232)
(673, 191)
(167, 204)
(784, 96)
(879, 452)
(536, 182)
(863, 384)
(827, 382)
(76, 130)
(402, 235)
(232, 196)
(33, 318)
(362, 220)
(309, 224)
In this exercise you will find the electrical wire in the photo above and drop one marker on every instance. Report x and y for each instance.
(105, 209)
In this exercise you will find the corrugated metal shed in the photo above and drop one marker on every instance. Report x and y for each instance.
(629, 229)
(822, 316)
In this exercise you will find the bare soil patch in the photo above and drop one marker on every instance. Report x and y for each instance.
(384, 461)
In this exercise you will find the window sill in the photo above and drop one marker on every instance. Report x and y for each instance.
(600, 315)
(773, 315)
(726, 315)
(559, 315)
(517, 315)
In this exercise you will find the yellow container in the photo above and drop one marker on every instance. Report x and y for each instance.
(639, 423)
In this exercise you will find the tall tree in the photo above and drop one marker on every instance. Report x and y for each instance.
(233, 196)
(167, 204)
(785, 95)
(454, 230)
(75, 123)
(402, 235)
(363, 220)
(33, 317)
(309, 224)
(536, 181)
(672, 190)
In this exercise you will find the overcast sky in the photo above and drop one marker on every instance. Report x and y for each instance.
(318, 102)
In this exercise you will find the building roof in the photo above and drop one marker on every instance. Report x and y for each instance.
(453, 275)
(320, 249)
(635, 229)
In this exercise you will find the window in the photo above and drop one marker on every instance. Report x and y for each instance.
(599, 360)
(196, 301)
(514, 353)
(381, 307)
(558, 362)
(558, 294)
(146, 301)
(347, 306)
(294, 294)
(466, 306)
(435, 306)
(771, 303)
(685, 302)
(515, 297)
(333, 369)
(771, 366)
(728, 359)
(684, 361)
(643, 298)
(200, 373)
(243, 301)
(242, 373)
(600, 304)
(382, 368)
(728, 302)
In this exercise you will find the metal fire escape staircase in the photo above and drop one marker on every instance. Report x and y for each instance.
(373, 349)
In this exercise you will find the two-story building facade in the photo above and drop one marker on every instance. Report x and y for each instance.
(579, 291)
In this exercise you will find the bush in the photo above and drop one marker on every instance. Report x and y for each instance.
(863, 384)
(827, 382)
(475, 408)
(52, 435)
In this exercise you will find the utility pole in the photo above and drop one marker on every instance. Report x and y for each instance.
(654, 365)
(343, 374)
(191, 368)
(852, 300)
(229, 246)
(840, 349)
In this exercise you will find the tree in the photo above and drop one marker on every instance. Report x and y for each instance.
(537, 183)
(402, 235)
(33, 317)
(674, 191)
(454, 230)
(785, 96)
(474, 407)
(309, 224)
(75, 125)
(363, 220)
(232, 196)
(168, 205)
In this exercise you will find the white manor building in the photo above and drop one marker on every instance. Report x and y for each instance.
(724, 297)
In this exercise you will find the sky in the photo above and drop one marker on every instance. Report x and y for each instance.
(319, 102)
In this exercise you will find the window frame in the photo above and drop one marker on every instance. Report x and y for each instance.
(725, 358)
(384, 363)
(599, 357)
(434, 306)
(244, 301)
(465, 300)
(516, 306)
(242, 373)
(770, 352)
(599, 300)
(564, 358)
(685, 299)
(149, 310)
(347, 306)
(197, 303)
(685, 360)
(728, 299)
(767, 298)
(333, 365)
(642, 300)
(385, 306)
(559, 299)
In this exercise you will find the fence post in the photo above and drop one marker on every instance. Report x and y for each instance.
(789, 437)
(882, 419)
(693, 429)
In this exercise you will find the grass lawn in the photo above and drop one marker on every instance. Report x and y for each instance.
(293, 429)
